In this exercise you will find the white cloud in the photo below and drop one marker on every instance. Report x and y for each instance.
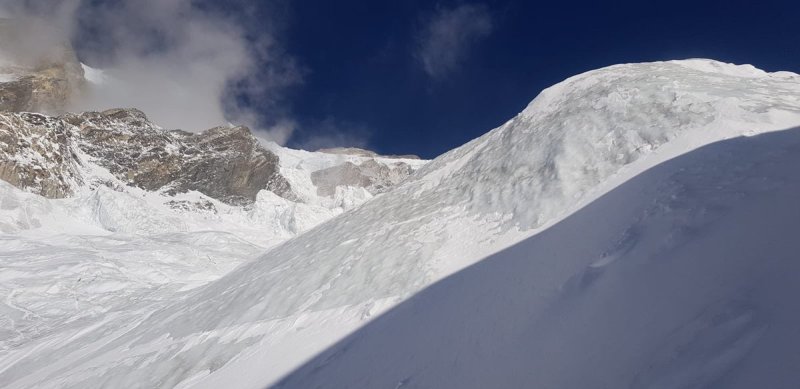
(330, 132)
(182, 64)
(281, 131)
(446, 37)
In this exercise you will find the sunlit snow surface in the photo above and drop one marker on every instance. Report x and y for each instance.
(576, 141)
(69, 264)
(683, 277)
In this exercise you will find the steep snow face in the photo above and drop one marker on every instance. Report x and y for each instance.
(683, 277)
(580, 132)
(576, 141)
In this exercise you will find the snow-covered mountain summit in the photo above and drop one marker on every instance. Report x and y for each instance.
(573, 143)
(682, 275)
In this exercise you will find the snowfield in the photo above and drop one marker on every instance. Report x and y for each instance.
(638, 275)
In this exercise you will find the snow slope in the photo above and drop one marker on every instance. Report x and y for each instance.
(71, 264)
(683, 277)
(573, 143)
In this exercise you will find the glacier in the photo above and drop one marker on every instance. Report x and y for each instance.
(253, 321)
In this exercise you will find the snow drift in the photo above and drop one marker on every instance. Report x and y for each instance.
(573, 143)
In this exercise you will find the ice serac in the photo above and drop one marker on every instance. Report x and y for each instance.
(573, 143)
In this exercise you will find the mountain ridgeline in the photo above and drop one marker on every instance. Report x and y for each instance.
(632, 227)
(51, 152)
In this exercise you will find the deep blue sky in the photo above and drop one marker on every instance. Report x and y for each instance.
(362, 69)
(362, 74)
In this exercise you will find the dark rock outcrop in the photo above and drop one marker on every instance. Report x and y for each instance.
(226, 163)
(231, 165)
(374, 176)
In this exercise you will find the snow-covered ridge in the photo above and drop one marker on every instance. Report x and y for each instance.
(683, 277)
(578, 133)
(574, 142)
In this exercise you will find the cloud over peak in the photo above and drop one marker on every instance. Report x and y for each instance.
(190, 64)
(446, 38)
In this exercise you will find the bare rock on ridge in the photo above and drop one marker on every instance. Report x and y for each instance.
(40, 154)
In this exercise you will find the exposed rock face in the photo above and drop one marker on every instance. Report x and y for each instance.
(225, 163)
(39, 74)
(39, 154)
(36, 154)
(371, 175)
(230, 164)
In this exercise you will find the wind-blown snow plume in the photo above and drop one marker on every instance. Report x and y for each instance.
(330, 132)
(188, 64)
(446, 38)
